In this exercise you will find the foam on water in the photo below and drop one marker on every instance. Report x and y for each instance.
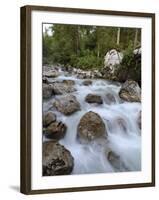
(120, 118)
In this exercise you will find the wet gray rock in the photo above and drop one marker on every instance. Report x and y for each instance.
(50, 80)
(51, 74)
(139, 120)
(47, 91)
(87, 82)
(93, 98)
(68, 82)
(67, 104)
(109, 99)
(130, 91)
(121, 124)
(48, 118)
(116, 161)
(56, 130)
(57, 160)
(62, 88)
(91, 127)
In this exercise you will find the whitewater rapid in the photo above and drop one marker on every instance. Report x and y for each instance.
(124, 141)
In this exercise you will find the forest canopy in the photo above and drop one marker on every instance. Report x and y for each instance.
(83, 46)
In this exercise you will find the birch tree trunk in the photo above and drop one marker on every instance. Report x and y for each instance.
(118, 36)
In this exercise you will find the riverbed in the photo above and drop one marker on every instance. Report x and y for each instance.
(120, 119)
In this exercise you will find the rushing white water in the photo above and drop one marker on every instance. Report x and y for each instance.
(120, 118)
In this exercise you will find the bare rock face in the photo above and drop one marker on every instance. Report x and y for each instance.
(57, 160)
(47, 91)
(91, 127)
(56, 130)
(130, 91)
(93, 98)
(67, 104)
(87, 82)
(62, 88)
(48, 118)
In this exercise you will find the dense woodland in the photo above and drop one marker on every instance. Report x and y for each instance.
(86, 46)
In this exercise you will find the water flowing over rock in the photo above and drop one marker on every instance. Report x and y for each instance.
(67, 104)
(57, 160)
(91, 127)
(47, 91)
(130, 91)
(56, 130)
(87, 82)
(109, 99)
(93, 98)
(49, 80)
(87, 130)
(139, 120)
(116, 162)
(48, 118)
(122, 124)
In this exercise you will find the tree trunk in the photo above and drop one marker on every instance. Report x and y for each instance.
(135, 39)
(118, 37)
(98, 50)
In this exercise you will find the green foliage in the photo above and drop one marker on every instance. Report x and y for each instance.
(85, 46)
(131, 65)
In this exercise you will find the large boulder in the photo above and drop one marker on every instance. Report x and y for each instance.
(67, 104)
(120, 66)
(57, 160)
(62, 88)
(91, 127)
(48, 118)
(130, 91)
(112, 61)
(113, 58)
(94, 98)
(56, 130)
(47, 91)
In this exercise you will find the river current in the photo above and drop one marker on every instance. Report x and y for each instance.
(120, 118)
